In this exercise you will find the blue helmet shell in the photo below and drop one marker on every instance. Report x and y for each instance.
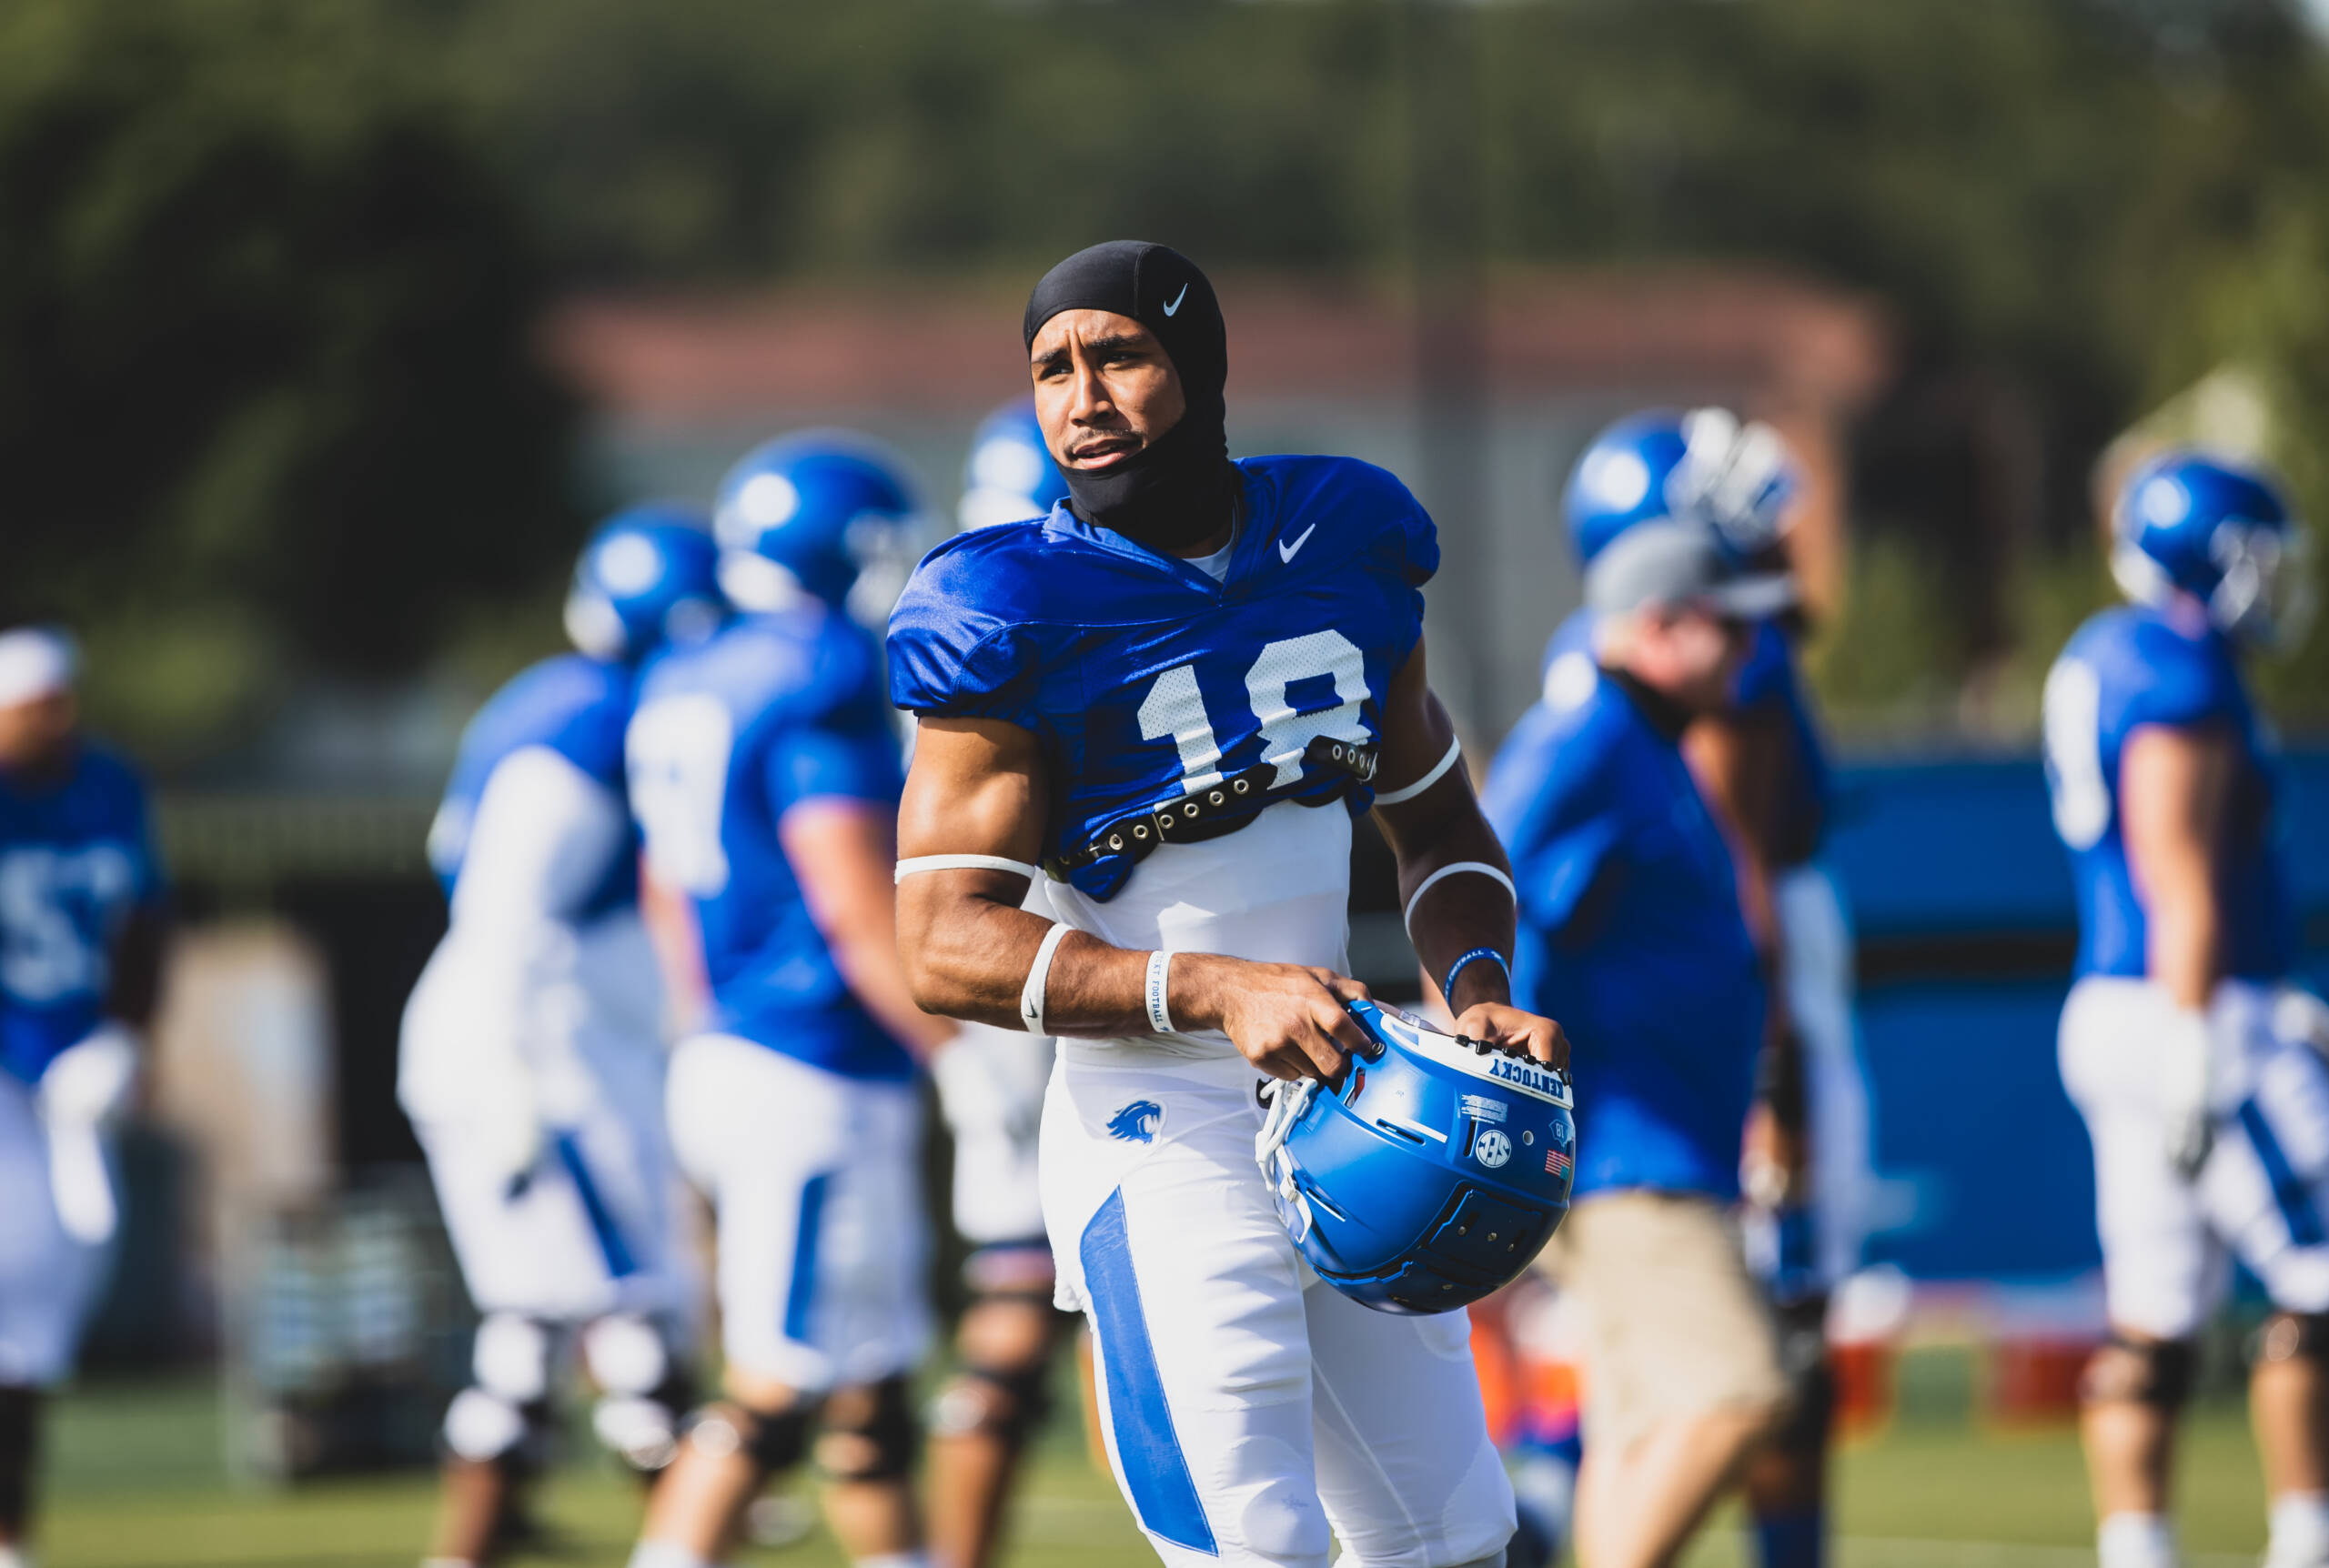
(2222, 532)
(1009, 476)
(1432, 1175)
(648, 576)
(1698, 465)
(811, 513)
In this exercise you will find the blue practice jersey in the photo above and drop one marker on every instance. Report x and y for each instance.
(1768, 675)
(1631, 936)
(2134, 665)
(574, 705)
(730, 734)
(1145, 681)
(75, 860)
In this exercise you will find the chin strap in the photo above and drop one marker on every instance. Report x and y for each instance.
(1286, 1102)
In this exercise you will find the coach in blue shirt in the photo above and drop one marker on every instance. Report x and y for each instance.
(1631, 934)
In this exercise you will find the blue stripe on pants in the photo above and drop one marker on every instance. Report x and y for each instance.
(620, 1262)
(1155, 1473)
(2290, 1190)
(800, 1298)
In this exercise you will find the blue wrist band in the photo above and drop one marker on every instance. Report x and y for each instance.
(1447, 987)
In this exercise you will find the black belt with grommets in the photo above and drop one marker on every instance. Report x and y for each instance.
(1220, 809)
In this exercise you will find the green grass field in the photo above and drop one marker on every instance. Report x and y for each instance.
(134, 1482)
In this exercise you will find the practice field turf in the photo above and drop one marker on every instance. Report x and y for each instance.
(136, 1483)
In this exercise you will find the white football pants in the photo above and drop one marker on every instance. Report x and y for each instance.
(2264, 1192)
(48, 1281)
(816, 1181)
(590, 1230)
(1248, 1408)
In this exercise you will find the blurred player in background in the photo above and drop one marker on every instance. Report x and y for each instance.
(991, 1087)
(1222, 647)
(1760, 764)
(2196, 1064)
(765, 772)
(81, 931)
(533, 1048)
(1633, 933)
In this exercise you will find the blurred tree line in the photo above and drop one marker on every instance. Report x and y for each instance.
(268, 270)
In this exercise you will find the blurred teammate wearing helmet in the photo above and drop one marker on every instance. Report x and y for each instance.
(2194, 1062)
(765, 773)
(532, 1056)
(1633, 933)
(1228, 654)
(1760, 763)
(991, 1088)
(80, 926)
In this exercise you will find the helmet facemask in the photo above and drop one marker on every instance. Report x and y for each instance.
(2265, 595)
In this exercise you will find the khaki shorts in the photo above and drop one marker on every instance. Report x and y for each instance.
(1673, 1325)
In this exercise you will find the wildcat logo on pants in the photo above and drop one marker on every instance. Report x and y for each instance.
(1137, 1122)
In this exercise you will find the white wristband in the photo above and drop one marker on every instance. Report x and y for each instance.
(1481, 867)
(1031, 995)
(1408, 792)
(1160, 964)
(915, 865)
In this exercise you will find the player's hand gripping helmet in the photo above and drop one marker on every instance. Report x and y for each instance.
(2219, 532)
(1009, 476)
(1701, 465)
(1431, 1175)
(826, 514)
(645, 579)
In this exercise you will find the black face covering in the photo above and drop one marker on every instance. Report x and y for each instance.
(1177, 489)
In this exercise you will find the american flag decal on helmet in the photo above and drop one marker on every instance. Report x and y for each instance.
(1557, 1162)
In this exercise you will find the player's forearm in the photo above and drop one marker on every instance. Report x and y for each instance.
(2184, 934)
(1455, 888)
(970, 957)
(968, 952)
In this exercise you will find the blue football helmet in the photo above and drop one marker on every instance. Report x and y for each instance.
(828, 515)
(1701, 465)
(2221, 532)
(648, 576)
(1009, 476)
(1431, 1175)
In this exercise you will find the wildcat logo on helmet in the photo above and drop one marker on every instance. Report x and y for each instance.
(1137, 1122)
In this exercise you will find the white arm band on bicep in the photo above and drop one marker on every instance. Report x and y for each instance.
(1031, 995)
(1481, 867)
(914, 865)
(1408, 792)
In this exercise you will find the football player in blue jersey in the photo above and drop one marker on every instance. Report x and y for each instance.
(532, 1058)
(1633, 933)
(2194, 1062)
(81, 928)
(765, 771)
(1760, 763)
(1173, 692)
(991, 1088)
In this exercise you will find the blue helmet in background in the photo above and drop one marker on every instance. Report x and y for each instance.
(828, 515)
(648, 576)
(1430, 1176)
(1009, 476)
(1696, 466)
(2220, 532)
